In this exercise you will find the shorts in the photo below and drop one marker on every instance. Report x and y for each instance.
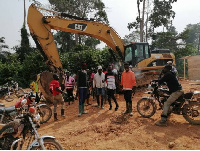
(58, 99)
(100, 91)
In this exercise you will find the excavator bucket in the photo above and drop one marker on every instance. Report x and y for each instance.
(43, 83)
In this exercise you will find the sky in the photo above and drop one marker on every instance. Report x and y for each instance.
(120, 13)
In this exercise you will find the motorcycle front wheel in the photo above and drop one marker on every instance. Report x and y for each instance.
(191, 112)
(146, 107)
(49, 144)
(45, 113)
(9, 98)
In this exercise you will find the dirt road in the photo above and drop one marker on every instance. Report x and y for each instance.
(111, 130)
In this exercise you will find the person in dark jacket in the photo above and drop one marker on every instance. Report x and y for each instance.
(82, 88)
(175, 90)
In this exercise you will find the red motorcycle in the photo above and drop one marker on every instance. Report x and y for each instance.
(8, 114)
(21, 134)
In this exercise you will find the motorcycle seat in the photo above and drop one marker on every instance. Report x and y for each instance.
(2, 105)
(9, 109)
(2, 109)
(188, 95)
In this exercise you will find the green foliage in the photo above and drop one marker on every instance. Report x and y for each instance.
(33, 64)
(177, 43)
(132, 37)
(91, 42)
(64, 40)
(24, 48)
(24, 36)
(83, 9)
(162, 13)
(193, 32)
(72, 60)
(9, 69)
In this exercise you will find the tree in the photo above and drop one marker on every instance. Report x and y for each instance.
(92, 57)
(81, 8)
(24, 46)
(160, 15)
(9, 69)
(65, 41)
(193, 35)
(33, 64)
(132, 37)
(176, 43)
(3, 53)
(91, 42)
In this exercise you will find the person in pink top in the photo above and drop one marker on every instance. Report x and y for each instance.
(128, 83)
(69, 86)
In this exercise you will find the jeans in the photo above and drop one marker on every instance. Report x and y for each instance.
(82, 95)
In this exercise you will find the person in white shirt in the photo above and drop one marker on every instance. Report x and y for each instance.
(110, 78)
(99, 84)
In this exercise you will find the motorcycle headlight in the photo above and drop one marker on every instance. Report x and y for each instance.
(23, 102)
(36, 119)
(150, 87)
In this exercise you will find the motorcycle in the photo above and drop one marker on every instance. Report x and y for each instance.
(7, 114)
(185, 105)
(10, 91)
(22, 134)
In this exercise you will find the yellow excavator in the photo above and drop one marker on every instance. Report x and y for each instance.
(143, 61)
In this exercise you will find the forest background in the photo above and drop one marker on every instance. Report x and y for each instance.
(25, 61)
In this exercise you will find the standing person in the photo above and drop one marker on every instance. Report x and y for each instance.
(128, 83)
(110, 78)
(63, 81)
(69, 85)
(175, 90)
(91, 80)
(99, 84)
(35, 89)
(105, 95)
(82, 88)
(54, 88)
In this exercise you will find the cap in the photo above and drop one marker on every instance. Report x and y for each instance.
(169, 62)
(99, 67)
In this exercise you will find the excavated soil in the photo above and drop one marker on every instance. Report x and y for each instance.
(102, 129)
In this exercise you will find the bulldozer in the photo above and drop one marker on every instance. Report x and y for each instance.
(144, 62)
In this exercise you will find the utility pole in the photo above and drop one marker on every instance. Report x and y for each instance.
(24, 12)
(198, 46)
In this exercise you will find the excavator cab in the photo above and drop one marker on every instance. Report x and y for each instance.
(136, 52)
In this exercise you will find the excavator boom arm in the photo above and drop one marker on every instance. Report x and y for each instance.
(40, 28)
